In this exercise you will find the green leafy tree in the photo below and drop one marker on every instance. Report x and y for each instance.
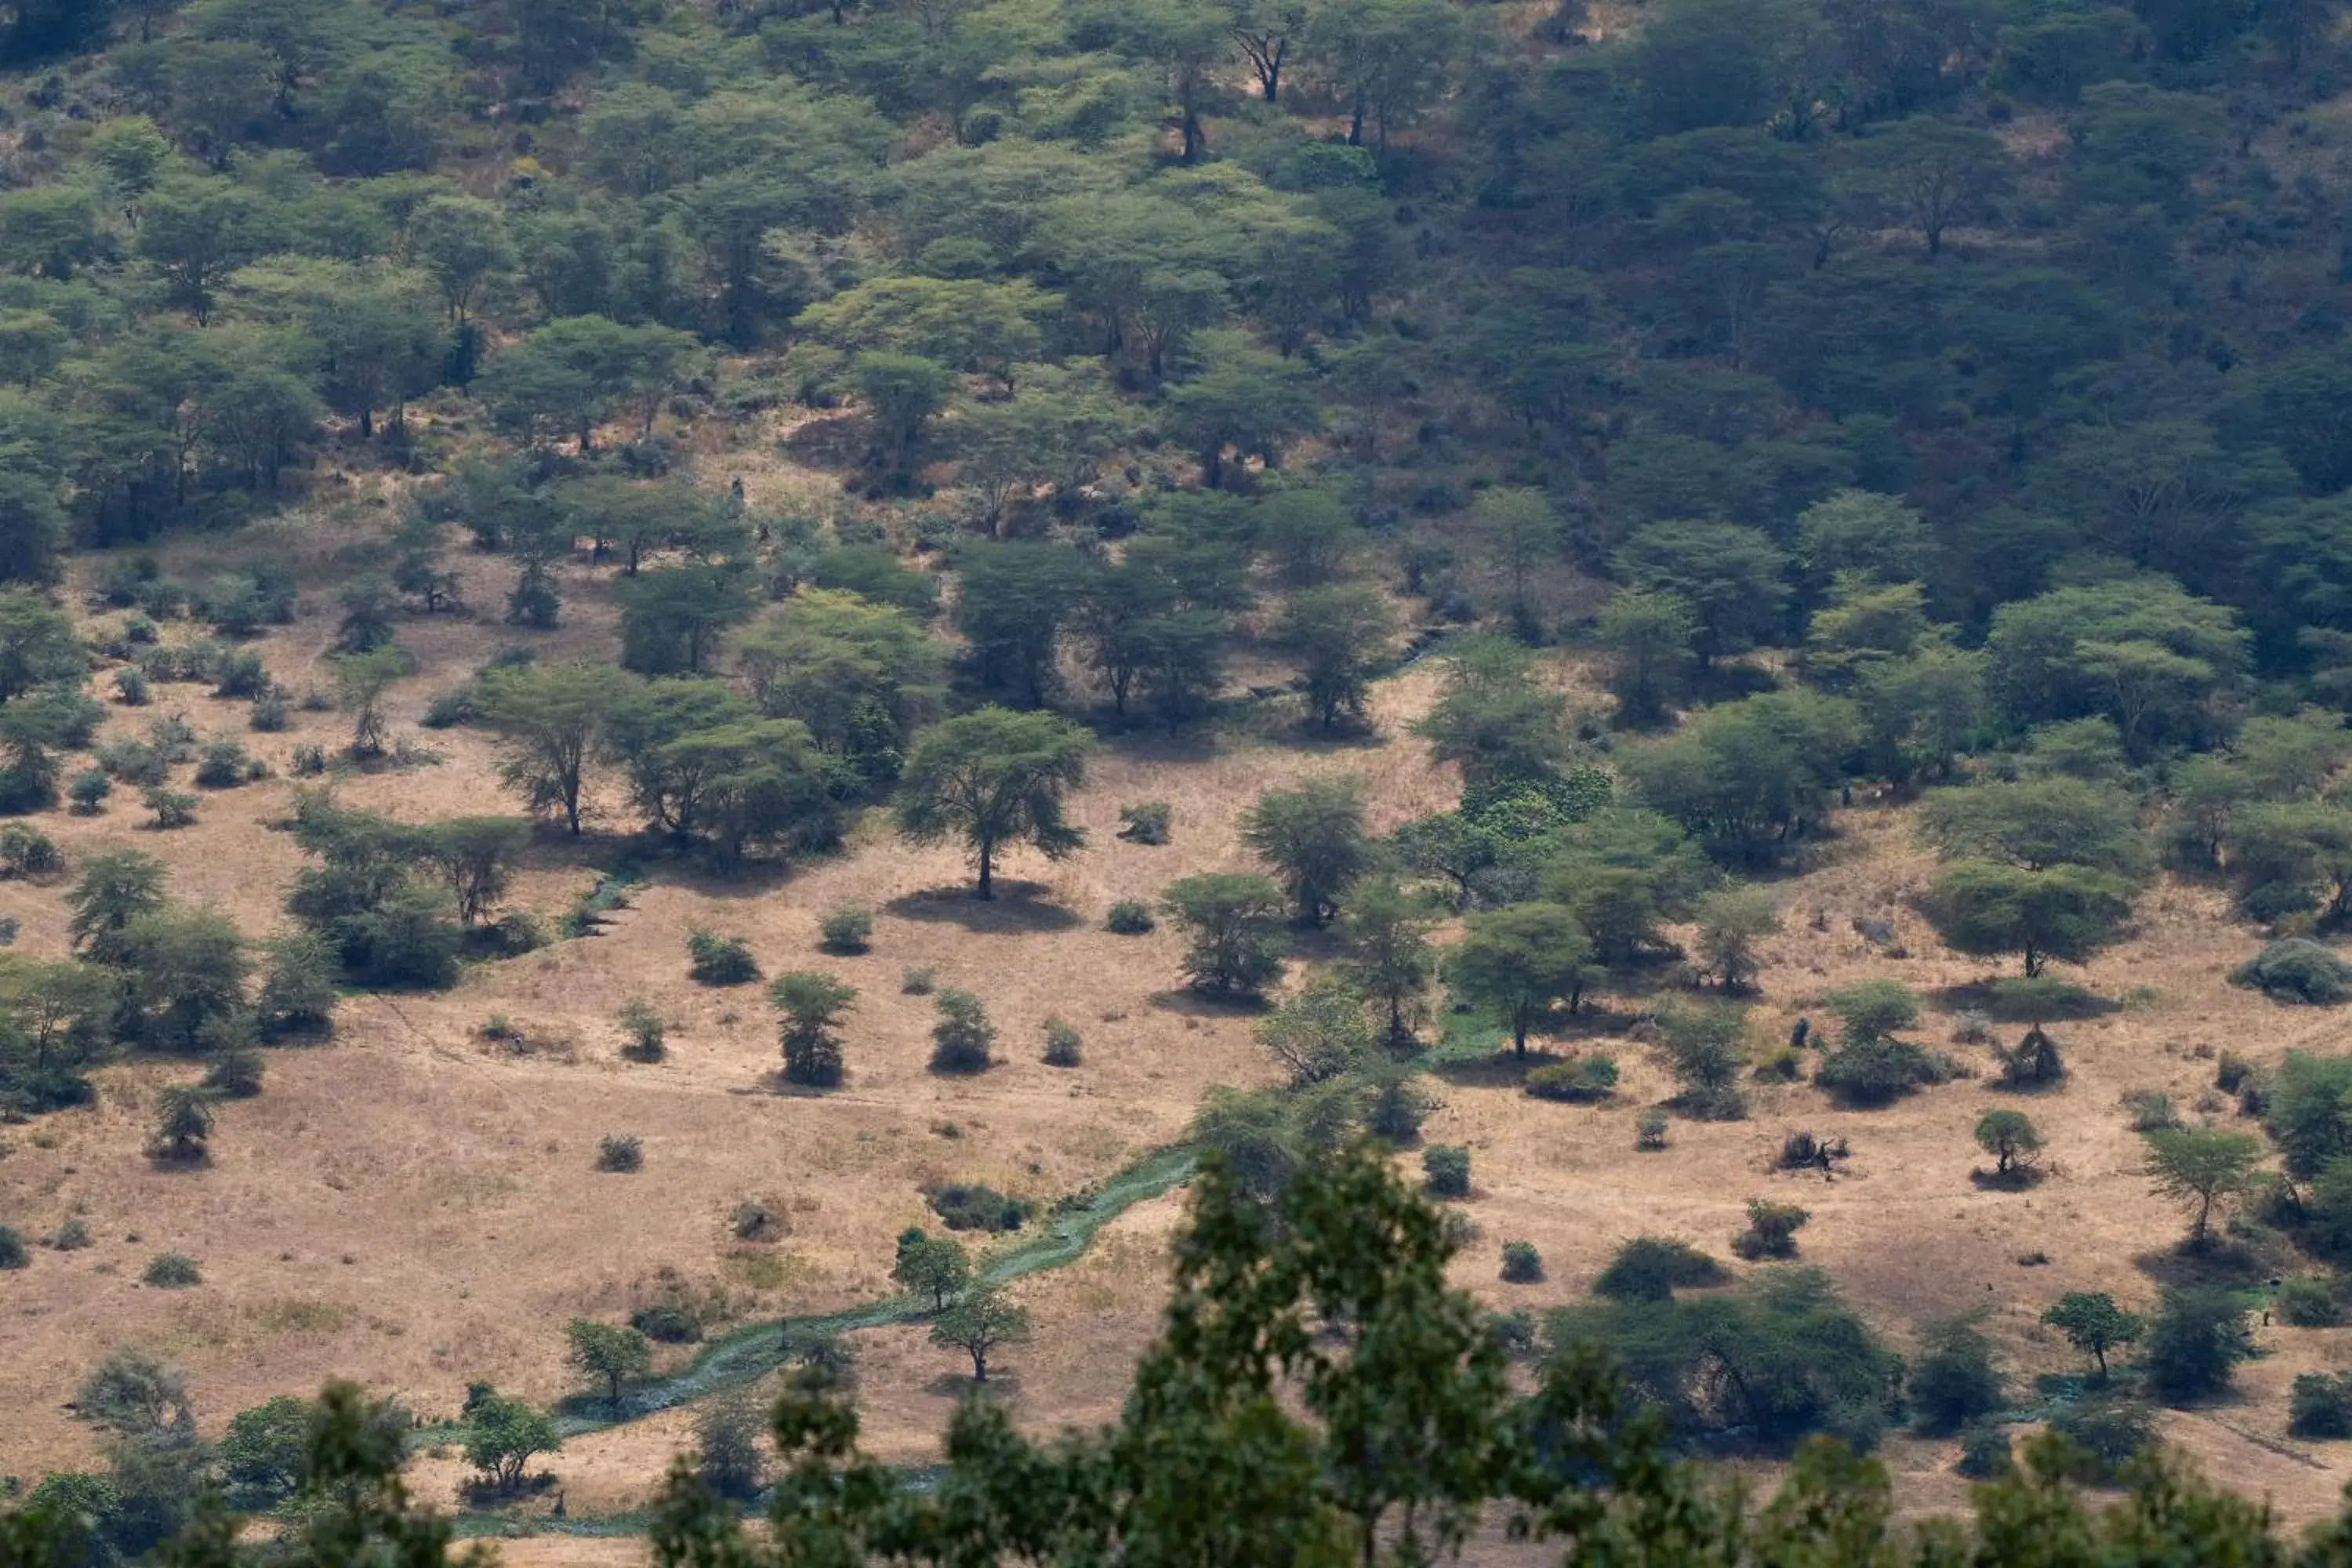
(1338, 635)
(1729, 577)
(2094, 1324)
(1651, 639)
(1731, 922)
(1314, 837)
(992, 778)
(550, 719)
(2012, 1139)
(937, 1267)
(1495, 718)
(1516, 962)
(503, 1435)
(1233, 922)
(38, 644)
(812, 1002)
(979, 1323)
(1389, 957)
(611, 1353)
(116, 888)
(2202, 1169)
(1519, 534)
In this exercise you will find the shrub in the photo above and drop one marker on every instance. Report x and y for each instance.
(620, 1151)
(1063, 1045)
(1445, 1171)
(2149, 1112)
(1652, 1267)
(270, 715)
(2105, 1434)
(647, 1040)
(754, 1221)
(2034, 1064)
(1583, 1081)
(1397, 1109)
(1874, 1069)
(239, 675)
(727, 1445)
(2010, 1138)
(2297, 970)
(2309, 1301)
(2320, 1405)
(310, 762)
(170, 808)
(132, 761)
(1953, 1382)
(812, 1002)
(961, 1040)
(1772, 1230)
(972, 1205)
(1704, 1047)
(89, 791)
(1971, 1027)
(70, 1236)
(28, 851)
(223, 765)
(12, 1251)
(172, 1271)
(847, 929)
(1233, 924)
(667, 1322)
(720, 960)
(1873, 1010)
(1650, 1130)
(1984, 1453)
(1522, 1264)
(2195, 1343)
(130, 686)
(1146, 822)
(1129, 917)
(919, 980)
(235, 1074)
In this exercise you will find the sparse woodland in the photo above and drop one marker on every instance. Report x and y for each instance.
(1428, 760)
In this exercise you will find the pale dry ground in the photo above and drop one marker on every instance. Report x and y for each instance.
(413, 1208)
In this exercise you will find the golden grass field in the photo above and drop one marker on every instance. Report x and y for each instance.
(414, 1207)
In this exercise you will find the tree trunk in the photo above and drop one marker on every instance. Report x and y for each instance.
(987, 853)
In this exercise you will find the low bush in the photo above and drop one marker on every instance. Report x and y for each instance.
(1146, 822)
(2104, 1436)
(172, 1271)
(846, 930)
(963, 1037)
(1984, 1453)
(1877, 1069)
(270, 715)
(2320, 1405)
(1584, 1081)
(235, 1074)
(1129, 917)
(2297, 970)
(169, 809)
(2034, 1064)
(720, 960)
(1445, 1171)
(2309, 1301)
(972, 1206)
(28, 851)
(89, 791)
(2149, 1112)
(620, 1151)
(1398, 1108)
(2195, 1342)
(225, 766)
(648, 1034)
(1953, 1382)
(1650, 1130)
(666, 1322)
(1064, 1045)
(919, 980)
(1652, 1267)
(130, 686)
(70, 1236)
(1522, 1264)
(13, 1253)
(1772, 1230)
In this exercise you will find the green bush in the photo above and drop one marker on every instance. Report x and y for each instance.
(89, 791)
(2297, 970)
(2149, 1112)
(919, 980)
(2309, 1301)
(963, 1037)
(2105, 1434)
(223, 765)
(720, 960)
(12, 1251)
(2320, 1405)
(1953, 1382)
(1807, 1361)
(1984, 1453)
(1583, 1081)
(1652, 1267)
(1650, 1130)
(270, 715)
(2194, 1344)
(1146, 822)
(1876, 1069)
(1063, 1045)
(235, 1074)
(130, 686)
(620, 1151)
(1129, 917)
(1445, 1171)
(169, 807)
(28, 851)
(1772, 1230)
(847, 929)
(648, 1034)
(1522, 1264)
(667, 1322)
(972, 1205)
(1398, 1108)
(172, 1271)
(70, 1236)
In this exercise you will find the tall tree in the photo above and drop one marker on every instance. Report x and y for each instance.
(992, 778)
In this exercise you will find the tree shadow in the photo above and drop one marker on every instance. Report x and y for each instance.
(1983, 997)
(1001, 1385)
(2225, 1264)
(1504, 1068)
(2020, 1179)
(170, 1159)
(1018, 908)
(1190, 1004)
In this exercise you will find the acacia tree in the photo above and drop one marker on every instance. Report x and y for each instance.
(2094, 1324)
(1314, 837)
(551, 718)
(1518, 961)
(609, 1350)
(812, 1002)
(990, 778)
(1389, 958)
(2201, 1169)
(978, 1324)
(937, 1267)
(2010, 1138)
